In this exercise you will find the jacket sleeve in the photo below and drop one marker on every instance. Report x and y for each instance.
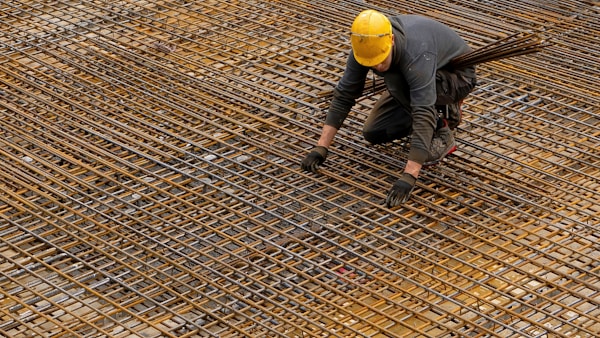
(348, 89)
(424, 122)
(421, 80)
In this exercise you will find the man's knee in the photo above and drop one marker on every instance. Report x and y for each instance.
(381, 136)
(375, 136)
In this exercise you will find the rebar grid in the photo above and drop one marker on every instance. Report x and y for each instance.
(151, 188)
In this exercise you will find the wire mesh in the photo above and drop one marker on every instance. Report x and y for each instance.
(150, 182)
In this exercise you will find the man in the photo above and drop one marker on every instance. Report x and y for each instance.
(412, 54)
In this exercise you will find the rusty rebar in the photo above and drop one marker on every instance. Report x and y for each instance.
(150, 182)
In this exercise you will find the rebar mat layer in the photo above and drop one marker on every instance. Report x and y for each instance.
(150, 182)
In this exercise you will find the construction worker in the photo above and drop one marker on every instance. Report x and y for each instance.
(422, 97)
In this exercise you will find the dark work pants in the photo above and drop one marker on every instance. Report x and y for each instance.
(391, 117)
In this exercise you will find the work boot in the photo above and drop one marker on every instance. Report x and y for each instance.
(442, 144)
(452, 113)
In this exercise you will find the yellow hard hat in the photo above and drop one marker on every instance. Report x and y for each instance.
(371, 38)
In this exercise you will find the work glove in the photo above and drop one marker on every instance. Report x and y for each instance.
(314, 159)
(400, 191)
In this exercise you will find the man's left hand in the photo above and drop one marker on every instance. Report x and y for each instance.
(400, 191)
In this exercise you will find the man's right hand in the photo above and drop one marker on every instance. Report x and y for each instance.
(314, 159)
